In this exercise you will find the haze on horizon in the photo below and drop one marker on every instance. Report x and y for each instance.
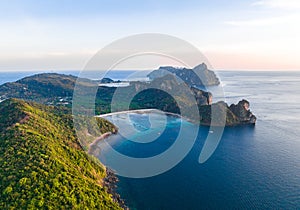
(232, 34)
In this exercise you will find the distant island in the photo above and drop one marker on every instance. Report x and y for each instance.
(190, 76)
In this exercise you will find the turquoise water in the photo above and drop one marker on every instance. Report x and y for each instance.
(252, 167)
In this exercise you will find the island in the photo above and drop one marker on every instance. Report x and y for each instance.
(57, 89)
(189, 76)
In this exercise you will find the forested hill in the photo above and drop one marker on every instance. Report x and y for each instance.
(42, 164)
(39, 87)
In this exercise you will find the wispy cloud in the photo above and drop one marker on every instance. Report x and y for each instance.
(287, 16)
(287, 19)
(281, 4)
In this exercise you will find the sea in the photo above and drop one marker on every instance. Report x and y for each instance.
(253, 167)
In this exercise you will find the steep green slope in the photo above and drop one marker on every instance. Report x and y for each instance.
(42, 165)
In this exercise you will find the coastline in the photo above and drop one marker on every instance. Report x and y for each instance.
(110, 183)
(145, 111)
(139, 111)
(110, 180)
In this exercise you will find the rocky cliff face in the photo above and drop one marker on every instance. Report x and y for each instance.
(202, 97)
(242, 111)
(234, 115)
(198, 76)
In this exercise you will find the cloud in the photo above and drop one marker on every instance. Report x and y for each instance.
(287, 19)
(281, 4)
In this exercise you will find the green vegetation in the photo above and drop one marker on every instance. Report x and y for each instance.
(40, 87)
(42, 164)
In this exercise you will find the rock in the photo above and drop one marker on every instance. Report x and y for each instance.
(202, 97)
(110, 183)
(242, 111)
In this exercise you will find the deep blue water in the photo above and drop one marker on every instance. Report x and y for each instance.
(252, 168)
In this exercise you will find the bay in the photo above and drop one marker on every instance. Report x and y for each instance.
(252, 167)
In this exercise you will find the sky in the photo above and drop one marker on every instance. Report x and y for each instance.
(232, 34)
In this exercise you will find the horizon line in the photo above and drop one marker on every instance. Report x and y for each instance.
(141, 69)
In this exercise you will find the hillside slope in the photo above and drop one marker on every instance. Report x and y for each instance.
(39, 86)
(42, 164)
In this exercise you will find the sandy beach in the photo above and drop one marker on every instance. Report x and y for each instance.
(139, 111)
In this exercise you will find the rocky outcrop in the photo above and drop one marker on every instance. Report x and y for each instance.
(242, 111)
(234, 115)
(198, 76)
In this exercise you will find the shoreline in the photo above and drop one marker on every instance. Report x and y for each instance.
(111, 179)
(110, 182)
(126, 111)
(139, 111)
(145, 111)
(206, 124)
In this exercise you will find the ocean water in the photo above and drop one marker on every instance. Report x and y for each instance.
(252, 167)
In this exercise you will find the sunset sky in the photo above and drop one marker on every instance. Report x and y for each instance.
(232, 34)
